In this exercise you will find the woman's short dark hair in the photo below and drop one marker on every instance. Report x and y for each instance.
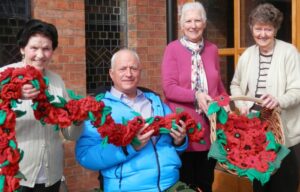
(267, 14)
(35, 26)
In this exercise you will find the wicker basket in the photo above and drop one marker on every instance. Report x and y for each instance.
(272, 116)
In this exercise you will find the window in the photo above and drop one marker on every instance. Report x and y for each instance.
(106, 33)
(13, 15)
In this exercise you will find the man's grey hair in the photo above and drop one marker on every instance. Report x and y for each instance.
(192, 6)
(113, 58)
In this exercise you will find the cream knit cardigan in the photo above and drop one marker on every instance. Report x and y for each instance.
(283, 82)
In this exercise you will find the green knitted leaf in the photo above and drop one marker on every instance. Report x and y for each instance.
(136, 142)
(213, 108)
(217, 151)
(19, 113)
(221, 137)
(173, 123)
(2, 117)
(35, 105)
(57, 104)
(5, 163)
(99, 97)
(20, 175)
(136, 114)
(49, 96)
(222, 116)
(272, 145)
(124, 121)
(46, 80)
(13, 103)
(179, 110)
(35, 84)
(251, 115)
(2, 183)
(62, 100)
(104, 141)
(21, 154)
(164, 130)
(56, 127)
(91, 116)
(199, 126)
(150, 120)
(42, 121)
(105, 111)
(12, 144)
(5, 81)
(73, 96)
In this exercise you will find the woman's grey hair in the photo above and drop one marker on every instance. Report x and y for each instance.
(113, 58)
(266, 14)
(192, 6)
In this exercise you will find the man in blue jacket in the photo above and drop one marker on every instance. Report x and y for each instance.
(151, 166)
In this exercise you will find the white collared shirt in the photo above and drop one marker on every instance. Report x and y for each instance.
(139, 104)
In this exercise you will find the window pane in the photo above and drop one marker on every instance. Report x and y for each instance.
(13, 15)
(106, 33)
(219, 29)
(227, 70)
(284, 32)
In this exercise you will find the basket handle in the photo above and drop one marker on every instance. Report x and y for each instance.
(246, 98)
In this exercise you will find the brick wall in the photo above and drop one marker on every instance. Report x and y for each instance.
(147, 35)
(69, 58)
(69, 62)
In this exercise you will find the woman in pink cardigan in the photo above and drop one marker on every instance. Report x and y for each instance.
(191, 77)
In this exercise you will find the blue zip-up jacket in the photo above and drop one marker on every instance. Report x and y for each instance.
(153, 168)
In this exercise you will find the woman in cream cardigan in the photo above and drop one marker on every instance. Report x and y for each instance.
(43, 160)
(270, 70)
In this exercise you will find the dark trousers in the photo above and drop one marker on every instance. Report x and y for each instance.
(41, 188)
(197, 170)
(285, 179)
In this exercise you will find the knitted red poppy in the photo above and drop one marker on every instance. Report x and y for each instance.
(246, 142)
(55, 110)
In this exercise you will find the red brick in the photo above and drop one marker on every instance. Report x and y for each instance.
(146, 34)
(62, 5)
(77, 5)
(142, 2)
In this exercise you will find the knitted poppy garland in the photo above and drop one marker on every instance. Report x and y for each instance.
(244, 145)
(56, 111)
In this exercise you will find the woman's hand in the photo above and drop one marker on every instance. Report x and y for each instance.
(269, 101)
(203, 100)
(244, 110)
(29, 92)
(179, 134)
(143, 138)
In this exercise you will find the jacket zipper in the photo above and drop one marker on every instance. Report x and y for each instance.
(158, 166)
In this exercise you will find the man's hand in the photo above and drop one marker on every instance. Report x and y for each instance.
(143, 138)
(179, 134)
